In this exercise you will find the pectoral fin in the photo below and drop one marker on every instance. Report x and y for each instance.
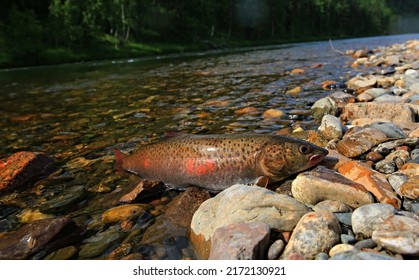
(262, 181)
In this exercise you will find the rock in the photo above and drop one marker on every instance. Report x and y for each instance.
(398, 234)
(410, 169)
(181, 209)
(30, 238)
(392, 60)
(247, 111)
(373, 181)
(386, 166)
(411, 73)
(243, 203)
(65, 253)
(388, 98)
(122, 213)
(385, 148)
(63, 202)
(243, 241)
(22, 168)
(339, 248)
(391, 112)
(322, 256)
(391, 130)
(373, 156)
(347, 239)
(98, 243)
(320, 184)
(362, 83)
(396, 180)
(142, 190)
(333, 206)
(371, 94)
(360, 255)
(365, 243)
(294, 91)
(344, 218)
(410, 188)
(334, 159)
(316, 232)
(31, 215)
(360, 142)
(272, 114)
(331, 127)
(324, 106)
(365, 219)
(275, 250)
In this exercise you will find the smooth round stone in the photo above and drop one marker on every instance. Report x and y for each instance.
(316, 232)
(65, 253)
(411, 73)
(366, 218)
(322, 256)
(398, 234)
(390, 129)
(276, 249)
(366, 243)
(347, 239)
(344, 218)
(98, 243)
(339, 248)
(123, 212)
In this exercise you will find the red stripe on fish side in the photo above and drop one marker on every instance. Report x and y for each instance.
(199, 168)
(146, 163)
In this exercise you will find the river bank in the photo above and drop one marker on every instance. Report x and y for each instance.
(81, 209)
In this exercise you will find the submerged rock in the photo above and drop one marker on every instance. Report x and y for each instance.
(27, 240)
(19, 169)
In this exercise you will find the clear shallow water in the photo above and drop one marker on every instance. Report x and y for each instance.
(77, 113)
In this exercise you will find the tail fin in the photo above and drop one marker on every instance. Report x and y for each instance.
(119, 159)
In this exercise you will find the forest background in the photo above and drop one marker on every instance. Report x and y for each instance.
(58, 31)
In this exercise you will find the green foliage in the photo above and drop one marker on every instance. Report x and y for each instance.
(63, 30)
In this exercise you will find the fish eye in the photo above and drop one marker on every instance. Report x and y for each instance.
(304, 149)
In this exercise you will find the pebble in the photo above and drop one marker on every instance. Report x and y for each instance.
(347, 239)
(316, 232)
(312, 187)
(344, 218)
(398, 234)
(322, 256)
(360, 255)
(273, 114)
(98, 243)
(331, 127)
(276, 249)
(242, 241)
(366, 218)
(396, 180)
(365, 243)
(63, 202)
(324, 106)
(339, 248)
(243, 203)
(123, 212)
(65, 253)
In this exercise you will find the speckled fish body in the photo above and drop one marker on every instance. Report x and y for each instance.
(216, 162)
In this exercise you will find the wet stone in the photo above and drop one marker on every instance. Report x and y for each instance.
(123, 212)
(63, 202)
(366, 218)
(243, 241)
(316, 232)
(65, 253)
(15, 245)
(398, 234)
(99, 243)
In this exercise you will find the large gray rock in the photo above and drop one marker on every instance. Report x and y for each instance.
(243, 203)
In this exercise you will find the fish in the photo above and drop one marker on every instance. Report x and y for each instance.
(218, 161)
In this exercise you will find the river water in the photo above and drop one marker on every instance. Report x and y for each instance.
(78, 113)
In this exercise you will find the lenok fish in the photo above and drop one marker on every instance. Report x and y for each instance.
(216, 162)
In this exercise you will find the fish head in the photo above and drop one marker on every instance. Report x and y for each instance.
(288, 156)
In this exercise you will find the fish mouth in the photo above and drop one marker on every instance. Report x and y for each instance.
(315, 159)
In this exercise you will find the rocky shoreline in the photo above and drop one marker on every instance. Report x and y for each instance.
(361, 202)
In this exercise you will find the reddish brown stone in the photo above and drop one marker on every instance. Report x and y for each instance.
(373, 181)
(19, 169)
